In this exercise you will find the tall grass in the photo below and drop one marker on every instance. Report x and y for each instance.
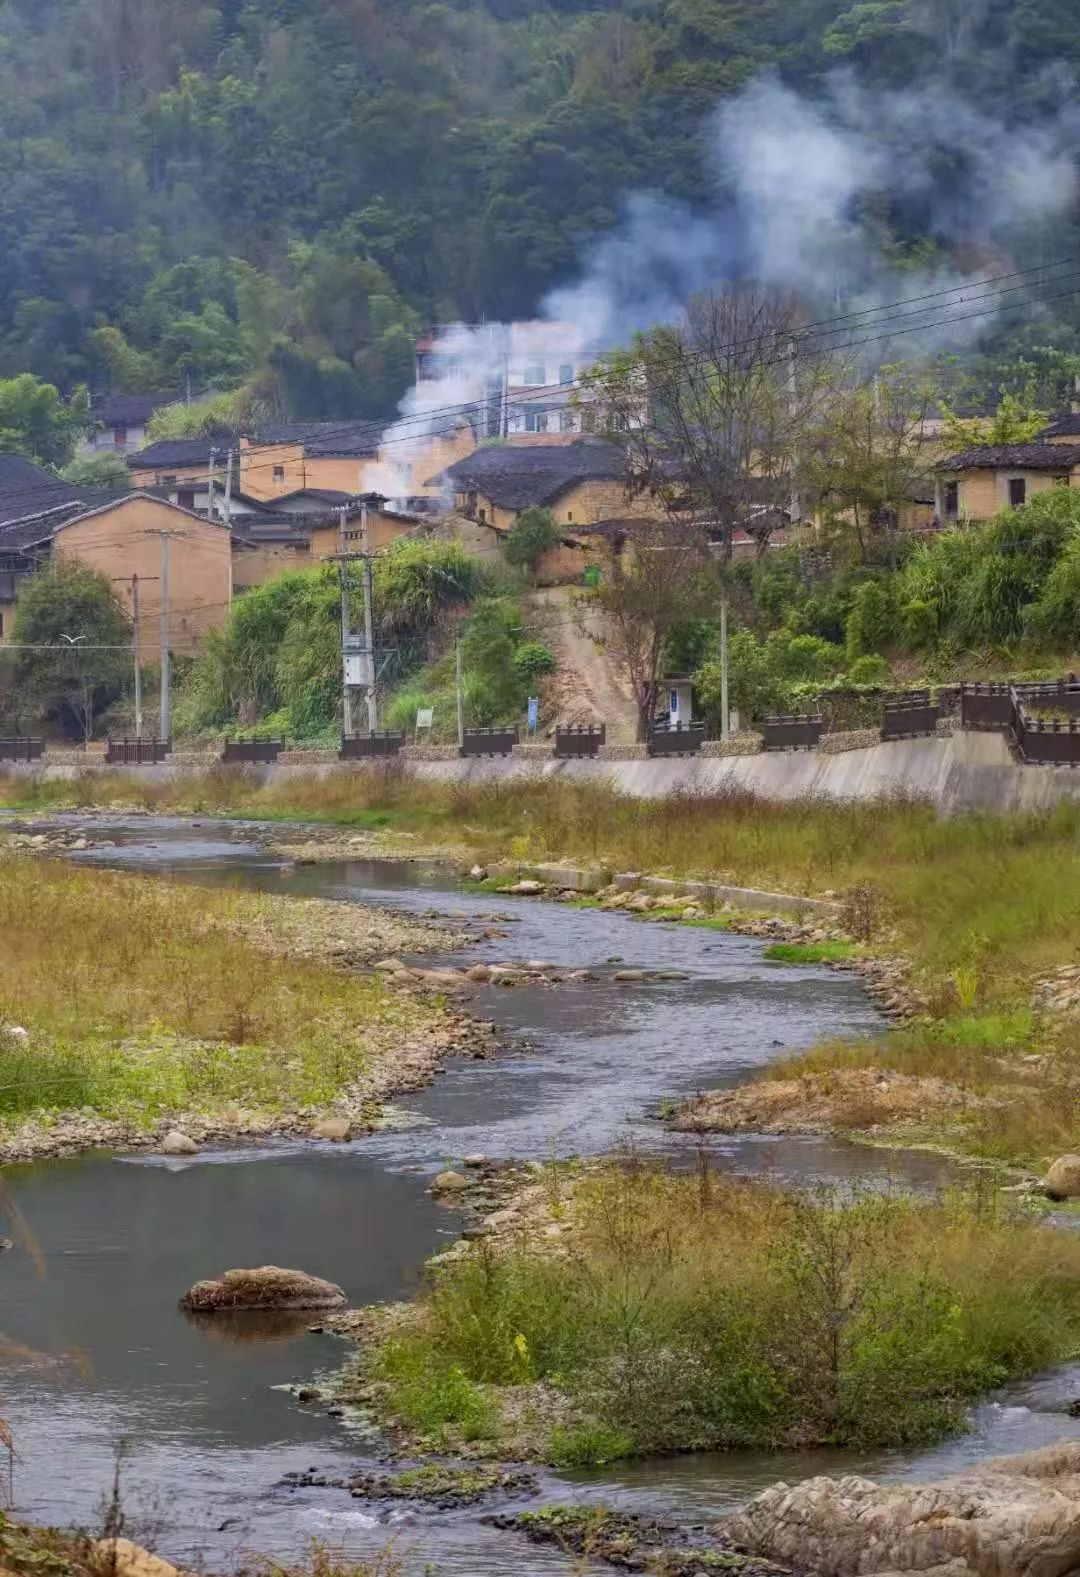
(982, 902)
(697, 1312)
(141, 998)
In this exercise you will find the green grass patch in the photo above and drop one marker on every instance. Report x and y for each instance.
(701, 1313)
(140, 999)
(810, 952)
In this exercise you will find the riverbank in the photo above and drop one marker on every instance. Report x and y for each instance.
(616, 1309)
(968, 928)
(134, 1007)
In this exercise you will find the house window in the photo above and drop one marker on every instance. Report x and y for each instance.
(567, 422)
(534, 375)
(120, 437)
(168, 481)
(1017, 491)
(483, 515)
(185, 498)
(952, 500)
(570, 517)
(566, 373)
(536, 421)
(279, 473)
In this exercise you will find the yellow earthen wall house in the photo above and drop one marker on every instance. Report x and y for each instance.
(380, 531)
(979, 483)
(123, 539)
(252, 566)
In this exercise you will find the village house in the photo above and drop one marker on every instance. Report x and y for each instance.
(122, 538)
(120, 422)
(182, 466)
(584, 484)
(978, 483)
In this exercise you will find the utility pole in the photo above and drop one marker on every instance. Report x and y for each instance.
(460, 691)
(163, 730)
(226, 512)
(725, 715)
(369, 626)
(793, 412)
(210, 484)
(346, 633)
(138, 669)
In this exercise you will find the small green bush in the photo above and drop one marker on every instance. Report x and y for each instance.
(533, 659)
(871, 623)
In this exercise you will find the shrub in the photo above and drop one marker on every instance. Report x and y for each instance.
(868, 670)
(533, 534)
(533, 658)
(871, 623)
(696, 1312)
(918, 624)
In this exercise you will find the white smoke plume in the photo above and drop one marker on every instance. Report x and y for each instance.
(803, 190)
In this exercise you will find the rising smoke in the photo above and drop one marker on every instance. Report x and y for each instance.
(804, 190)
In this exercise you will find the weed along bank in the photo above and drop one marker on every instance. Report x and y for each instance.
(576, 1222)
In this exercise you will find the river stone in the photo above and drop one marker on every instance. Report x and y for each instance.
(1008, 1517)
(1062, 1181)
(478, 972)
(629, 976)
(269, 1287)
(449, 1183)
(336, 1129)
(389, 966)
(177, 1143)
(121, 1558)
(527, 889)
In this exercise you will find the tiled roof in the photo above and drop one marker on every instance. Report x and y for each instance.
(1063, 427)
(326, 438)
(522, 478)
(1023, 457)
(181, 452)
(129, 410)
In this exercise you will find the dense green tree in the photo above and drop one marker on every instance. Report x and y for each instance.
(37, 422)
(83, 639)
(284, 189)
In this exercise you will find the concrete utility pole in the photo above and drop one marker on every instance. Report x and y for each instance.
(166, 720)
(369, 626)
(346, 633)
(138, 670)
(210, 484)
(460, 690)
(226, 511)
(725, 715)
(793, 411)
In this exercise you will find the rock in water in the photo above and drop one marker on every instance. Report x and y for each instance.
(177, 1143)
(450, 1183)
(1010, 1517)
(121, 1558)
(269, 1287)
(1062, 1181)
(337, 1129)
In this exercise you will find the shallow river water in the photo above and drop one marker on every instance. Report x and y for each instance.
(201, 1417)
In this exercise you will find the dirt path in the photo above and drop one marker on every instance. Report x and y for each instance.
(590, 686)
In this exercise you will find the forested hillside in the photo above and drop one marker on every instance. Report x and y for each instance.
(215, 189)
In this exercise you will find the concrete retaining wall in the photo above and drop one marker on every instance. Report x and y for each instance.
(965, 772)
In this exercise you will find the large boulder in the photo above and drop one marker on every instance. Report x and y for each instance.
(177, 1143)
(337, 1130)
(121, 1558)
(1062, 1181)
(1009, 1517)
(269, 1287)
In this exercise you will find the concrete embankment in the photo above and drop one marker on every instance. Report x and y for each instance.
(966, 771)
